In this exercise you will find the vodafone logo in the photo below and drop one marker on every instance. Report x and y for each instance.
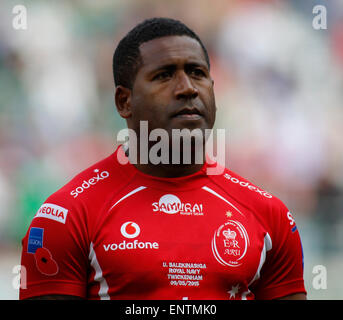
(130, 230)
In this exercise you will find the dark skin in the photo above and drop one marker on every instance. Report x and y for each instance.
(174, 75)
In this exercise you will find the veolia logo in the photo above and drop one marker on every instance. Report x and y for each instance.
(130, 230)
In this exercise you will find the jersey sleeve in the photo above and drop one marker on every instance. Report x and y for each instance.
(282, 272)
(55, 250)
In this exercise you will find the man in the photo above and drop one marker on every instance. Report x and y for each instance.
(122, 230)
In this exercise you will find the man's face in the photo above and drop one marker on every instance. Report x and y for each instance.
(173, 88)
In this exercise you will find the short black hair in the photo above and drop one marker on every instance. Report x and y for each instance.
(127, 58)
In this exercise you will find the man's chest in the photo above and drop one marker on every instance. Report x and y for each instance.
(168, 245)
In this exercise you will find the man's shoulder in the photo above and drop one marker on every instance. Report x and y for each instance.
(268, 209)
(246, 192)
(93, 184)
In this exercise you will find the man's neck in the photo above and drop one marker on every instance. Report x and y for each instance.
(172, 169)
(169, 170)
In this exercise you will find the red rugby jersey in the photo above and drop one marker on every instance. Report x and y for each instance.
(115, 233)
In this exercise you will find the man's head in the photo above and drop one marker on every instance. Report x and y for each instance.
(127, 58)
(162, 76)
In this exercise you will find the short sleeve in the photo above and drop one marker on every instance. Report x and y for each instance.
(282, 272)
(55, 251)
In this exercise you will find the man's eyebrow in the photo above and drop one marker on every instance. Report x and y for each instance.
(172, 66)
(197, 64)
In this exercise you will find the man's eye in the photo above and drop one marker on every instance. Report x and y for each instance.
(197, 73)
(162, 75)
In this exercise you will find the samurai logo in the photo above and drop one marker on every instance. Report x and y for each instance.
(171, 204)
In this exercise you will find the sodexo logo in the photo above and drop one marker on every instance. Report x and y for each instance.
(130, 230)
(90, 182)
(248, 185)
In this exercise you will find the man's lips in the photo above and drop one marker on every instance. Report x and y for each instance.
(186, 116)
(190, 113)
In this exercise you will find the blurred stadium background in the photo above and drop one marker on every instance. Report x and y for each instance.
(279, 92)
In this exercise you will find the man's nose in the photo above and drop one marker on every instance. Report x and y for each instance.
(184, 87)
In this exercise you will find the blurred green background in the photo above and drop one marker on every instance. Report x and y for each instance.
(279, 93)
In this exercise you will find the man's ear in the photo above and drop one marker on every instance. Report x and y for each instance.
(123, 101)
